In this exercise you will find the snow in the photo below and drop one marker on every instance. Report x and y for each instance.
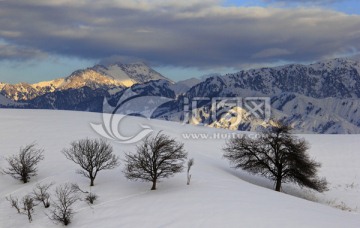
(56, 83)
(319, 112)
(218, 195)
(6, 101)
(183, 86)
(115, 90)
(117, 73)
(130, 74)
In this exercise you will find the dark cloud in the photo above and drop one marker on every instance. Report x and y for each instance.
(193, 33)
(17, 53)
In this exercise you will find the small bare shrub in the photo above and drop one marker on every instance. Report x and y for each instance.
(14, 201)
(91, 197)
(41, 193)
(28, 206)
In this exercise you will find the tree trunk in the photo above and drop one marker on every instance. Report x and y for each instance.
(188, 179)
(153, 185)
(47, 204)
(66, 221)
(29, 215)
(278, 184)
(92, 181)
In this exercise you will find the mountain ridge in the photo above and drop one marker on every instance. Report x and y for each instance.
(317, 98)
(335, 78)
(108, 77)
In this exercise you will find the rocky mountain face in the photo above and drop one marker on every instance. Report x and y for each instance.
(130, 74)
(319, 98)
(81, 99)
(334, 78)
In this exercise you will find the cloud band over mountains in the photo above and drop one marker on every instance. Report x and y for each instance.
(188, 34)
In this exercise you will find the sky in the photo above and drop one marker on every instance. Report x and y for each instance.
(42, 40)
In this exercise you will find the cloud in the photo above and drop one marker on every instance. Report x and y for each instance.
(121, 59)
(271, 52)
(190, 33)
(16, 53)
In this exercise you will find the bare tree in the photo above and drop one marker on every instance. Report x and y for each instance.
(14, 201)
(190, 163)
(65, 198)
(28, 206)
(92, 155)
(23, 165)
(27, 202)
(157, 157)
(41, 193)
(277, 155)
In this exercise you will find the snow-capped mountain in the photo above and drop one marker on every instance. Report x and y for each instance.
(318, 98)
(321, 97)
(334, 78)
(106, 77)
(130, 74)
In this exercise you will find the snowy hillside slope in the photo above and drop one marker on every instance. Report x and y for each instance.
(218, 196)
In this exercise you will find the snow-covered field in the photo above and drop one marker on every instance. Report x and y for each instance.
(218, 196)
